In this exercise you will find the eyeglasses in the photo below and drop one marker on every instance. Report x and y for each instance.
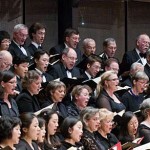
(6, 41)
(7, 64)
(76, 39)
(115, 79)
(72, 58)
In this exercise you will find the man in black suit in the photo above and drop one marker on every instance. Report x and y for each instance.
(109, 49)
(37, 35)
(93, 67)
(66, 67)
(136, 55)
(17, 47)
(147, 66)
(71, 39)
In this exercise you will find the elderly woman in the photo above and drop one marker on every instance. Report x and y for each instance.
(104, 135)
(144, 127)
(90, 119)
(134, 97)
(105, 90)
(8, 105)
(26, 100)
(128, 128)
(80, 99)
(55, 92)
(9, 131)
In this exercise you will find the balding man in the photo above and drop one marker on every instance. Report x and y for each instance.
(136, 55)
(5, 60)
(66, 67)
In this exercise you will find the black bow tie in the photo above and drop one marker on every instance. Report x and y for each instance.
(70, 70)
(143, 55)
(39, 47)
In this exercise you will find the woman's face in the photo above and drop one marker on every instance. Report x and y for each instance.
(112, 82)
(53, 124)
(58, 94)
(82, 99)
(16, 134)
(76, 132)
(93, 123)
(140, 85)
(9, 87)
(41, 135)
(106, 125)
(133, 126)
(35, 86)
(33, 131)
(5, 44)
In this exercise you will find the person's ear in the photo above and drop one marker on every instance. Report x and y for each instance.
(88, 65)
(2, 83)
(70, 130)
(25, 130)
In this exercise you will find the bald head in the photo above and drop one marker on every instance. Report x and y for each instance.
(5, 60)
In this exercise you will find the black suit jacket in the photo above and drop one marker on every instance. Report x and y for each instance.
(58, 71)
(59, 48)
(32, 49)
(128, 59)
(147, 70)
(16, 51)
(19, 85)
(27, 103)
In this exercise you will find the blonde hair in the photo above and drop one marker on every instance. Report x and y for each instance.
(105, 114)
(105, 76)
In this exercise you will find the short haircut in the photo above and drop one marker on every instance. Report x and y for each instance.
(92, 59)
(134, 65)
(21, 59)
(78, 89)
(53, 85)
(145, 107)
(39, 53)
(105, 114)
(87, 40)
(69, 31)
(30, 76)
(109, 61)
(19, 27)
(34, 28)
(67, 124)
(140, 75)
(7, 124)
(4, 35)
(107, 41)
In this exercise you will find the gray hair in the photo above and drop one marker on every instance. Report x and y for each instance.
(87, 40)
(107, 41)
(134, 65)
(140, 75)
(144, 107)
(19, 27)
(87, 113)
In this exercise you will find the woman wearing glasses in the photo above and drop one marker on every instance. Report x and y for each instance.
(105, 91)
(134, 97)
(8, 105)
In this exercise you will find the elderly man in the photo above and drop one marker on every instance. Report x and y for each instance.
(5, 60)
(20, 34)
(66, 67)
(136, 55)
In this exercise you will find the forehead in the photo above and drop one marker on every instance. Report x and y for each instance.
(44, 56)
(74, 35)
(111, 43)
(23, 31)
(72, 52)
(91, 43)
(41, 30)
(114, 64)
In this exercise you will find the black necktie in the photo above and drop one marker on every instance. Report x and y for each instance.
(143, 55)
(39, 47)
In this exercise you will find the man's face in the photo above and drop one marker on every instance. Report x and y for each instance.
(20, 36)
(73, 40)
(113, 66)
(69, 59)
(90, 48)
(93, 69)
(110, 49)
(143, 43)
(21, 69)
(6, 63)
(39, 36)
